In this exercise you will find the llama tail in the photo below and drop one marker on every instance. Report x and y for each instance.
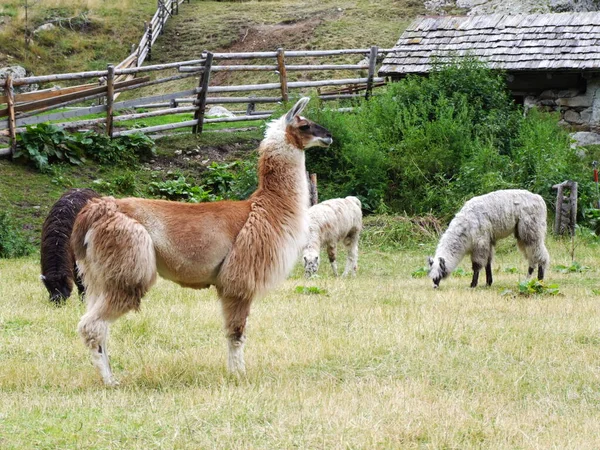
(115, 255)
(57, 261)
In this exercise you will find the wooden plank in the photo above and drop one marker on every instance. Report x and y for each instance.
(202, 94)
(10, 102)
(239, 118)
(60, 77)
(110, 94)
(60, 115)
(282, 74)
(372, 64)
(81, 95)
(215, 100)
(146, 130)
(161, 112)
(155, 98)
(47, 93)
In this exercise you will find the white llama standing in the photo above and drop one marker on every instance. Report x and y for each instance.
(332, 221)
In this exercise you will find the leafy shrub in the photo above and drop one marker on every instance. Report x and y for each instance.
(13, 243)
(532, 287)
(180, 189)
(44, 144)
(234, 180)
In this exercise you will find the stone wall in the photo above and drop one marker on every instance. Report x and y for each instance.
(581, 111)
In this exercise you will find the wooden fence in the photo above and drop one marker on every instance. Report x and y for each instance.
(31, 108)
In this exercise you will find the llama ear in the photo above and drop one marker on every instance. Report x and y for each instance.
(297, 109)
(430, 261)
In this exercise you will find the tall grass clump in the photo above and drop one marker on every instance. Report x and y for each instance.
(425, 145)
(13, 242)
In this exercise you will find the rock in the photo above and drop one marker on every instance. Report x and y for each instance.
(17, 72)
(45, 27)
(572, 116)
(583, 138)
(219, 111)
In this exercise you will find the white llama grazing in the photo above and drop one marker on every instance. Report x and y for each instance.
(335, 220)
(484, 220)
(242, 248)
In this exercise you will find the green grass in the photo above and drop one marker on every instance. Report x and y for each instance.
(379, 361)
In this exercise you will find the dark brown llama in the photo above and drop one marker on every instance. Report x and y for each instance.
(243, 248)
(57, 260)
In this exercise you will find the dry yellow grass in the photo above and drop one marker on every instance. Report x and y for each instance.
(380, 361)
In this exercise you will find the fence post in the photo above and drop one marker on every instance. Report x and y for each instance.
(110, 97)
(173, 3)
(282, 74)
(176, 6)
(10, 103)
(314, 193)
(161, 16)
(149, 54)
(203, 92)
(372, 65)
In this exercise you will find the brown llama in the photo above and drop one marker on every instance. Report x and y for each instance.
(243, 248)
(57, 260)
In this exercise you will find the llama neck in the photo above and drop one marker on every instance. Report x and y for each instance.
(452, 247)
(281, 174)
(314, 238)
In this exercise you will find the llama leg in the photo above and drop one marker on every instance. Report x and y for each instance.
(93, 329)
(332, 254)
(488, 273)
(236, 312)
(351, 243)
(476, 269)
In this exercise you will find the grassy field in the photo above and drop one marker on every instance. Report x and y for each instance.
(379, 361)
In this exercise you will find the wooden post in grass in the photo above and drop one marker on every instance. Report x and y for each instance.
(149, 43)
(313, 193)
(282, 74)
(566, 207)
(10, 103)
(372, 65)
(203, 92)
(110, 98)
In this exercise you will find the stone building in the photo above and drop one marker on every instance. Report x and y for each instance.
(551, 60)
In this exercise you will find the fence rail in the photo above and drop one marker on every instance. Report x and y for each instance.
(21, 110)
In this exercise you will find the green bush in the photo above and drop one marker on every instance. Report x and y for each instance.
(13, 243)
(42, 145)
(425, 145)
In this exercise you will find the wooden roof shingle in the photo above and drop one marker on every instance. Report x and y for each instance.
(561, 41)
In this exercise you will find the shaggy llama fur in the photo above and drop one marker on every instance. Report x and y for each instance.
(57, 260)
(484, 220)
(243, 248)
(335, 220)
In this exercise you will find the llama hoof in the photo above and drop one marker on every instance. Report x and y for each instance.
(111, 382)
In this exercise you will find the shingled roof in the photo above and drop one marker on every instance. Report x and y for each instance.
(563, 41)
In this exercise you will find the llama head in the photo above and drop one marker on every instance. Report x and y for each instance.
(437, 270)
(299, 131)
(311, 262)
(59, 287)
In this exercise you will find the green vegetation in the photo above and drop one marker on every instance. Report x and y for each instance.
(42, 145)
(428, 144)
(13, 243)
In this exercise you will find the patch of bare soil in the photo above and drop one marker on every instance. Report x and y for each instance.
(261, 38)
(198, 157)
